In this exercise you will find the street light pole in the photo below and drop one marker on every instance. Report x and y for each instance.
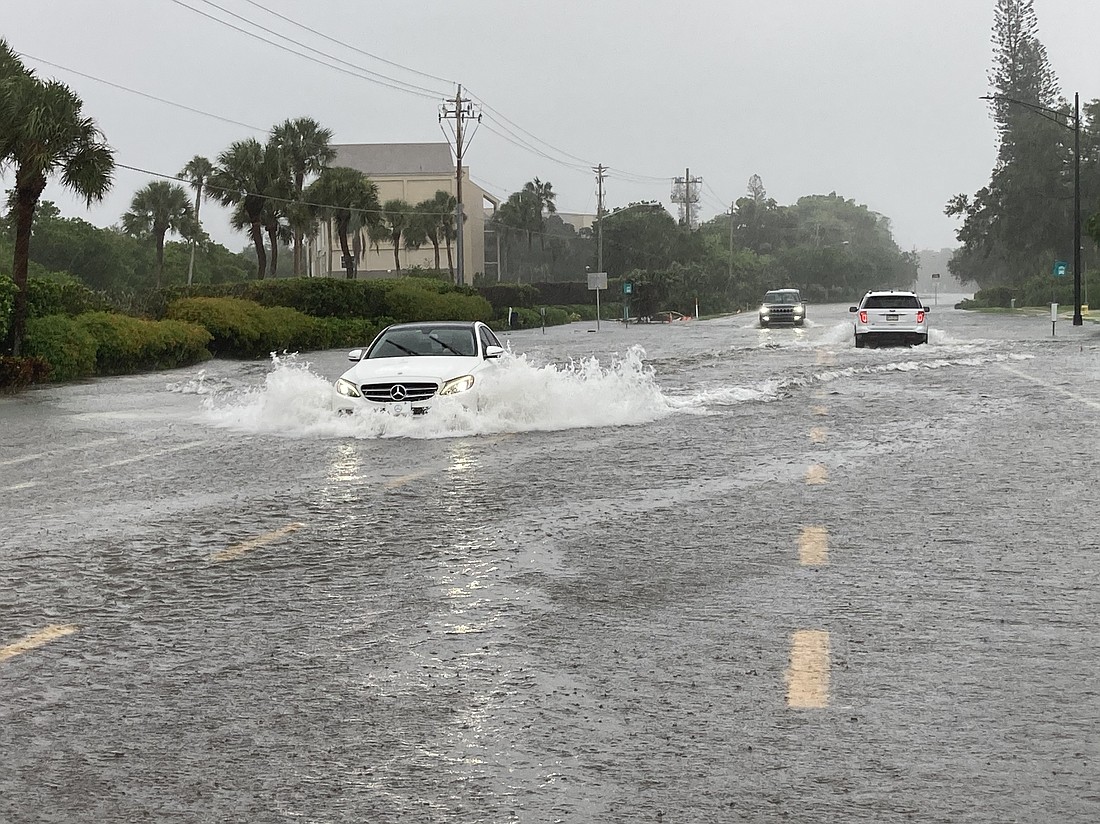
(1076, 129)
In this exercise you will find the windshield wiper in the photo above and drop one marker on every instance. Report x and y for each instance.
(404, 349)
(446, 346)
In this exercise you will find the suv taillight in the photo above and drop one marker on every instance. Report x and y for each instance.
(863, 316)
(920, 317)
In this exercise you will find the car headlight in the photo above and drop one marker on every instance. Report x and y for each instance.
(798, 310)
(347, 389)
(456, 385)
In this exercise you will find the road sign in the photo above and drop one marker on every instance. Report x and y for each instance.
(628, 287)
(1060, 269)
(597, 280)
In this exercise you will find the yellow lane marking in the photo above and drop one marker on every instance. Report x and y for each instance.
(825, 358)
(38, 639)
(394, 483)
(818, 434)
(813, 546)
(819, 410)
(808, 674)
(817, 474)
(237, 550)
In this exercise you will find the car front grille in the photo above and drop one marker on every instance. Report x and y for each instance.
(389, 392)
(781, 311)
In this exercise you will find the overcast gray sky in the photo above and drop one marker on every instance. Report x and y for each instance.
(876, 100)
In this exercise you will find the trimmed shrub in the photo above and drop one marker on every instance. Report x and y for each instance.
(68, 347)
(17, 373)
(126, 344)
(408, 301)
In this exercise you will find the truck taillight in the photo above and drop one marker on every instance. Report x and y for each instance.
(920, 317)
(862, 317)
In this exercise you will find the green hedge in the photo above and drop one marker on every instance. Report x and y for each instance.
(7, 303)
(64, 343)
(101, 343)
(61, 295)
(126, 344)
(245, 329)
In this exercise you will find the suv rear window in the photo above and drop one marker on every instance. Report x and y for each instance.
(891, 302)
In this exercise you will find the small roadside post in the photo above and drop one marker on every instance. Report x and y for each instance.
(628, 290)
(596, 282)
(542, 311)
(1053, 317)
(936, 288)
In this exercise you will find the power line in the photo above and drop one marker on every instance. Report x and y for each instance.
(363, 74)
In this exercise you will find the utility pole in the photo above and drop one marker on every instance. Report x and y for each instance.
(600, 171)
(459, 110)
(731, 241)
(683, 193)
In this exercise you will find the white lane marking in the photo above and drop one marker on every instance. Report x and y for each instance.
(39, 455)
(394, 483)
(825, 358)
(144, 456)
(817, 474)
(36, 640)
(17, 487)
(1038, 381)
(808, 674)
(237, 550)
(818, 434)
(820, 411)
(813, 546)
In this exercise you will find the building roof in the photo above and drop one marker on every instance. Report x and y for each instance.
(396, 159)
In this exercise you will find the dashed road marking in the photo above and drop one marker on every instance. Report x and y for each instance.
(808, 674)
(813, 546)
(1072, 395)
(819, 410)
(38, 639)
(394, 483)
(144, 456)
(39, 455)
(237, 550)
(17, 487)
(825, 358)
(817, 474)
(818, 434)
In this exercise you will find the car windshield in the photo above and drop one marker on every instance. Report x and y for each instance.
(784, 296)
(425, 340)
(891, 302)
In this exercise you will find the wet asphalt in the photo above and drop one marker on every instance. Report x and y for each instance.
(833, 585)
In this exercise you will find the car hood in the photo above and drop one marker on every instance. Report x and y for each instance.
(423, 367)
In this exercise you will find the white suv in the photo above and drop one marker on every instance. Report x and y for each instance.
(890, 317)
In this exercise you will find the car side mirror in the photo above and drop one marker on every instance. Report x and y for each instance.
(494, 351)
(355, 355)
(853, 308)
(926, 309)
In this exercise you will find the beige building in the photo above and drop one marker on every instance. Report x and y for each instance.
(413, 172)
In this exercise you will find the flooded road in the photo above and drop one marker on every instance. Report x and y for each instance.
(675, 573)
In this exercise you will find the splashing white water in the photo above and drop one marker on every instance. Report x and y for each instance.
(514, 396)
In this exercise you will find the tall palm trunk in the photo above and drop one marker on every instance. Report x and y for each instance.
(159, 268)
(450, 261)
(435, 243)
(299, 181)
(191, 262)
(273, 237)
(257, 232)
(397, 252)
(347, 253)
(26, 198)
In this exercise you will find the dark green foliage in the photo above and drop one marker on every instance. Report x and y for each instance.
(503, 295)
(61, 295)
(7, 301)
(18, 373)
(64, 343)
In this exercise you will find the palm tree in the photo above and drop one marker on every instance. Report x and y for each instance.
(447, 205)
(157, 209)
(544, 198)
(429, 221)
(348, 199)
(306, 150)
(196, 172)
(245, 174)
(44, 134)
(396, 217)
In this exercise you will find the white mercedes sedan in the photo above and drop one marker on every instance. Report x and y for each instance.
(409, 366)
